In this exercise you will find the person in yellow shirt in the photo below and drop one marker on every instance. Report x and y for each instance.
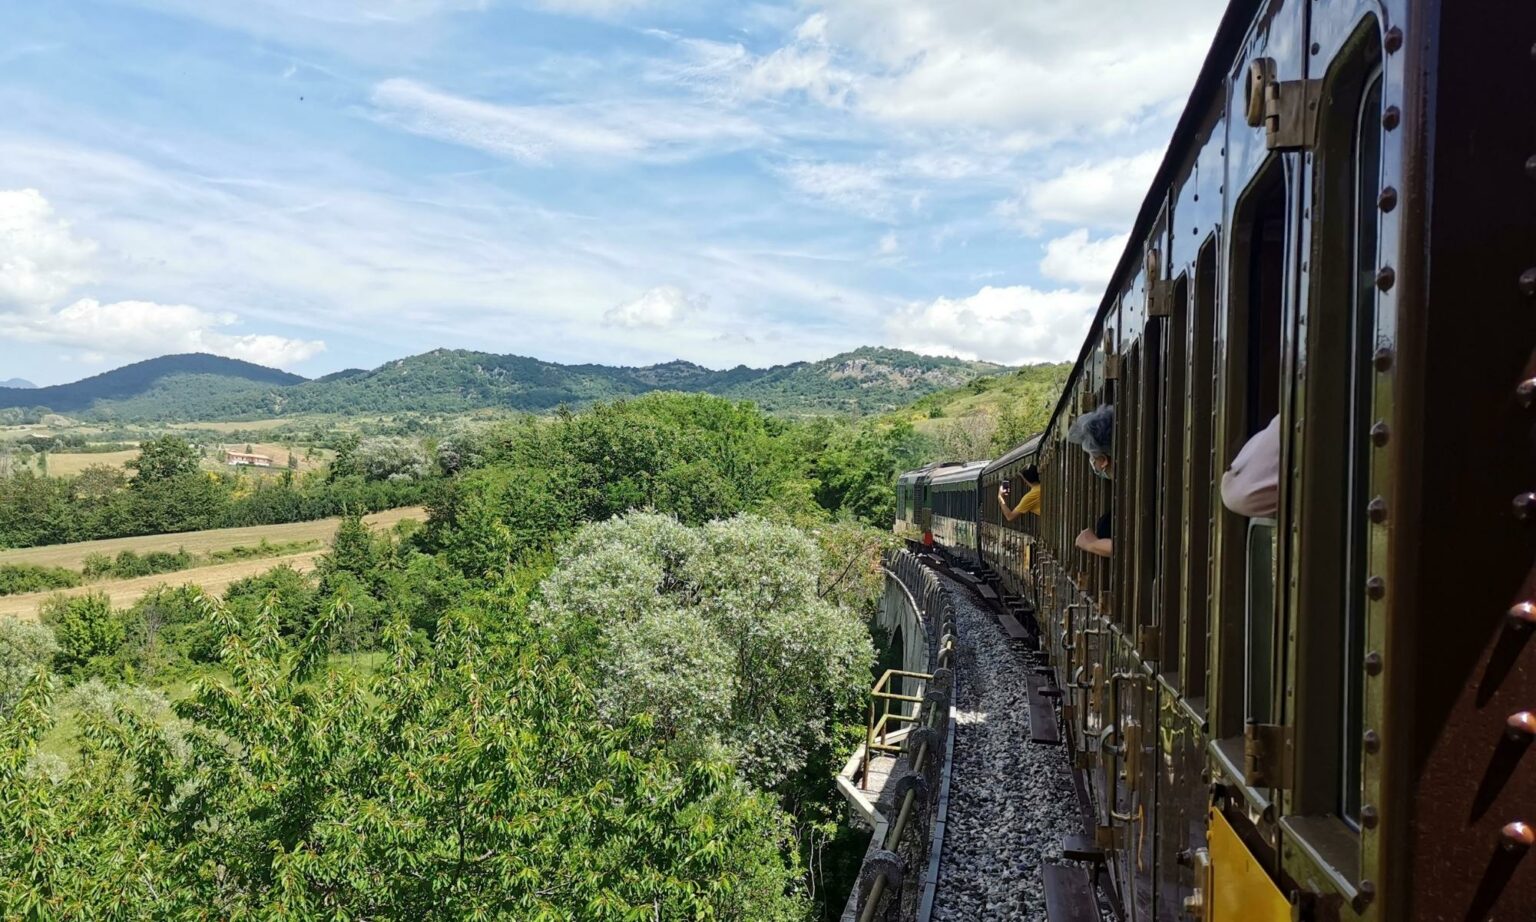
(1031, 500)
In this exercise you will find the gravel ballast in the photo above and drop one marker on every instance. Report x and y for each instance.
(1011, 802)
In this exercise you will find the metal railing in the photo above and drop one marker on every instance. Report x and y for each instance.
(877, 731)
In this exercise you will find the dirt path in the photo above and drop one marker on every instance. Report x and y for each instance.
(200, 542)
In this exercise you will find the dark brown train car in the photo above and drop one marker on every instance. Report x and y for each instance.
(1325, 714)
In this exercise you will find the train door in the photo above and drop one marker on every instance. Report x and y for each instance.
(1265, 206)
(1335, 471)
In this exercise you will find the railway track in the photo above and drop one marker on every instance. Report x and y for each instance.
(1012, 804)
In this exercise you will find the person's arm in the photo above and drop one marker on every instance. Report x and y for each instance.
(1251, 486)
(1093, 544)
(1002, 500)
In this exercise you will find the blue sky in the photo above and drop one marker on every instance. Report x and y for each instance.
(320, 184)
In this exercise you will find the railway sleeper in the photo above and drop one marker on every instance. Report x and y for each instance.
(1069, 894)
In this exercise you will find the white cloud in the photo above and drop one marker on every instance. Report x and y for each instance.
(1054, 66)
(861, 188)
(660, 308)
(889, 244)
(597, 8)
(142, 329)
(453, 261)
(1012, 325)
(1076, 259)
(1106, 194)
(538, 135)
(41, 259)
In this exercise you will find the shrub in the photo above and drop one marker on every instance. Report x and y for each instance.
(16, 578)
(95, 565)
(717, 633)
(86, 628)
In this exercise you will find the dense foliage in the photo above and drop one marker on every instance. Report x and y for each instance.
(469, 778)
(25, 577)
(611, 678)
(718, 633)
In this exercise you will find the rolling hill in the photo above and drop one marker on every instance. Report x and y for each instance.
(864, 381)
(160, 381)
(17, 383)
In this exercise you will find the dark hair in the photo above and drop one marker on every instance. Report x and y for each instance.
(1031, 474)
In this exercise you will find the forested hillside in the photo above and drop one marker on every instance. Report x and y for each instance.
(170, 380)
(865, 381)
(987, 416)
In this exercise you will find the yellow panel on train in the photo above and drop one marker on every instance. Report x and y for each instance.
(1241, 891)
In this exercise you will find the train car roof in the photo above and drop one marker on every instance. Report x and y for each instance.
(1023, 450)
(918, 473)
(968, 471)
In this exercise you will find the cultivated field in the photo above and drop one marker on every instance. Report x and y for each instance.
(70, 463)
(214, 578)
(124, 592)
(199, 542)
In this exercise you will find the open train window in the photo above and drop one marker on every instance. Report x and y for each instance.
(1253, 399)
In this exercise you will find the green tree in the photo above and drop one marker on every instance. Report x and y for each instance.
(164, 458)
(717, 632)
(86, 628)
(25, 648)
(470, 778)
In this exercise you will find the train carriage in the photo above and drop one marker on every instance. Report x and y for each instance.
(1324, 713)
(1005, 545)
(955, 510)
(914, 502)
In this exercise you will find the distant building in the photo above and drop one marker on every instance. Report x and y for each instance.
(236, 458)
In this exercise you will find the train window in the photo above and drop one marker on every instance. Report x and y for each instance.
(1252, 399)
(1331, 481)
(1146, 441)
(1170, 488)
(1198, 448)
(1259, 650)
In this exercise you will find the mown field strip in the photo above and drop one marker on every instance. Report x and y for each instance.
(199, 542)
(70, 463)
(124, 592)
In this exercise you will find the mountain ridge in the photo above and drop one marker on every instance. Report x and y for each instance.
(201, 387)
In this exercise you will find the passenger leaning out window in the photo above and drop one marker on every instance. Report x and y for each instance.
(1251, 486)
(1095, 432)
(1031, 499)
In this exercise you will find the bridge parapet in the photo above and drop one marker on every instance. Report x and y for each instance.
(894, 780)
